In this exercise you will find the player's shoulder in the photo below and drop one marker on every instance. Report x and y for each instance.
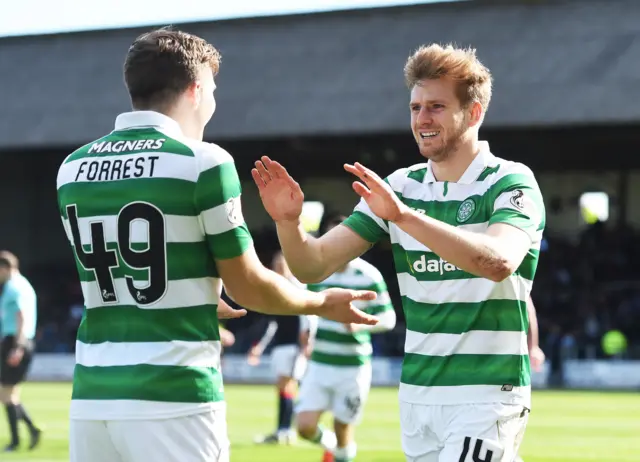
(208, 155)
(82, 151)
(506, 167)
(10, 289)
(402, 176)
(366, 269)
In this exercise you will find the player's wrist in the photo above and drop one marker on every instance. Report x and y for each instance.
(405, 214)
(293, 223)
(315, 303)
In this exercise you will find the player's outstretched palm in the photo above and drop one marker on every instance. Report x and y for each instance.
(338, 306)
(280, 194)
(379, 196)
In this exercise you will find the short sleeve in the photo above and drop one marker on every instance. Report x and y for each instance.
(217, 199)
(366, 224)
(518, 202)
(10, 300)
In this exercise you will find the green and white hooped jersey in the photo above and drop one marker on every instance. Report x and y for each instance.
(466, 336)
(334, 345)
(147, 211)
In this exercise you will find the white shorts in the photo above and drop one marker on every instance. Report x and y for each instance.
(462, 433)
(288, 361)
(341, 390)
(195, 438)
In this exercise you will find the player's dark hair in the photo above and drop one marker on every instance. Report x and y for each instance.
(329, 220)
(8, 260)
(162, 64)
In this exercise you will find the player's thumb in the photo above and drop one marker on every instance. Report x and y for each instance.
(364, 318)
(363, 295)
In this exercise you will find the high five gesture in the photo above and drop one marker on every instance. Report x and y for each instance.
(280, 193)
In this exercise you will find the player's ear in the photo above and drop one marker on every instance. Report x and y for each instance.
(475, 113)
(194, 92)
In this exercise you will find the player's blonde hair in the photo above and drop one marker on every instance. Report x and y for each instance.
(431, 62)
(161, 64)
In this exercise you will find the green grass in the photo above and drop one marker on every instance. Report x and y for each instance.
(564, 427)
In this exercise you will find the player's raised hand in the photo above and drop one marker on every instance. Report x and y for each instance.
(338, 306)
(376, 192)
(280, 194)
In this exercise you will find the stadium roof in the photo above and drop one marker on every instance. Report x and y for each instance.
(340, 73)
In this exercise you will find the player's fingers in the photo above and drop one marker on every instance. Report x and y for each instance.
(364, 295)
(233, 314)
(353, 170)
(264, 173)
(371, 178)
(368, 173)
(366, 179)
(258, 179)
(269, 164)
(360, 317)
(279, 171)
(361, 190)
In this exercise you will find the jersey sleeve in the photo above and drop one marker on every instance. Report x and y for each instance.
(366, 224)
(217, 199)
(518, 202)
(10, 300)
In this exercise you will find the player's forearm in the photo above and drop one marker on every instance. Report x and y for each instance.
(533, 333)
(302, 252)
(475, 253)
(269, 293)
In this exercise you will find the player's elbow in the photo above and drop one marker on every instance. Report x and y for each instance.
(241, 297)
(245, 291)
(310, 277)
(495, 268)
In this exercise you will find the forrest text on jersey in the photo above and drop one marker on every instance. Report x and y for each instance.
(109, 169)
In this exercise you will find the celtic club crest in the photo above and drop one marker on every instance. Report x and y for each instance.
(465, 211)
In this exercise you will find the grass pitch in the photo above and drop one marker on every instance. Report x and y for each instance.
(563, 427)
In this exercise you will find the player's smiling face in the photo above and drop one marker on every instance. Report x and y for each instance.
(438, 121)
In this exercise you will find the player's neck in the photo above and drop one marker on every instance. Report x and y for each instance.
(452, 168)
(189, 127)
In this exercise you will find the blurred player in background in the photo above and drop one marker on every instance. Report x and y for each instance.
(339, 373)
(288, 360)
(536, 355)
(18, 318)
(155, 221)
(465, 230)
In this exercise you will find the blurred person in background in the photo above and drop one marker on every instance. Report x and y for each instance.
(536, 355)
(18, 319)
(339, 375)
(288, 360)
(154, 218)
(465, 229)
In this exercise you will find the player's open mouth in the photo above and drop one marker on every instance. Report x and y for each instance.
(426, 135)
